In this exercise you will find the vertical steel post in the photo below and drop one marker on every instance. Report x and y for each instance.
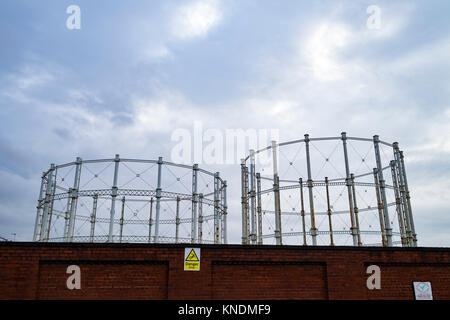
(329, 211)
(310, 191)
(93, 217)
(380, 207)
(49, 207)
(244, 202)
(302, 212)
(259, 207)
(225, 213)
(150, 221)
(404, 202)
(252, 198)
(398, 204)
(220, 194)
(67, 215)
(216, 209)
(223, 205)
(194, 203)
(408, 199)
(177, 220)
(355, 207)
(247, 206)
(200, 218)
(353, 229)
(113, 198)
(382, 184)
(276, 195)
(47, 203)
(74, 201)
(50, 212)
(121, 219)
(39, 207)
(158, 199)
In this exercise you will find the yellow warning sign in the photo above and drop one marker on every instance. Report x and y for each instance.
(191, 259)
(192, 256)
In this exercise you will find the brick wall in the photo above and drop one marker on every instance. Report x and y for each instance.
(140, 271)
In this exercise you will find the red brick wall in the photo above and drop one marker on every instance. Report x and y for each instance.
(259, 280)
(139, 271)
(104, 280)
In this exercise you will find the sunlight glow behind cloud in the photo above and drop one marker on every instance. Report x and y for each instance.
(196, 19)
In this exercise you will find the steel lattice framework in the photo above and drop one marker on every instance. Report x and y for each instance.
(158, 201)
(286, 198)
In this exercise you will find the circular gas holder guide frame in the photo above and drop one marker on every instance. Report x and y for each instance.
(321, 191)
(327, 191)
(130, 200)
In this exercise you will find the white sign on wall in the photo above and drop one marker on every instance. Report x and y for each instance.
(422, 291)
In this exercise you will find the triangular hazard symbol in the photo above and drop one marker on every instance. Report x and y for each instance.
(192, 256)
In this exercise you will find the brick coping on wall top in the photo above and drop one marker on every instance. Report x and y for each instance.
(217, 246)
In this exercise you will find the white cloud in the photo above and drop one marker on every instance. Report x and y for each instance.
(321, 48)
(31, 76)
(425, 57)
(196, 19)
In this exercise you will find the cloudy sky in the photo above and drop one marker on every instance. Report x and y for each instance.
(138, 70)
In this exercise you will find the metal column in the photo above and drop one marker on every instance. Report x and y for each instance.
(398, 203)
(74, 201)
(216, 209)
(259, 207)
(244, 202)
(67, 215)
(329, 211)
(310, 191)
(194, 215)
(50, 212)
(252, 198)
(93, 217)
(220, 213)
(355, 207)
(225, 223)
(276, 195)
(382, 184)
(121, 219)
(158, 200)
(408, 199)
(402, 195)
(354, 230)
(200, 218)
(302, 212)
(224, 212)
(380, 207)
(177, 220)
(113, 198)
(47, 203)
(150, 221)
(39, 207)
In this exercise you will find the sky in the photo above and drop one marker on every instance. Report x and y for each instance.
(136, 71)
